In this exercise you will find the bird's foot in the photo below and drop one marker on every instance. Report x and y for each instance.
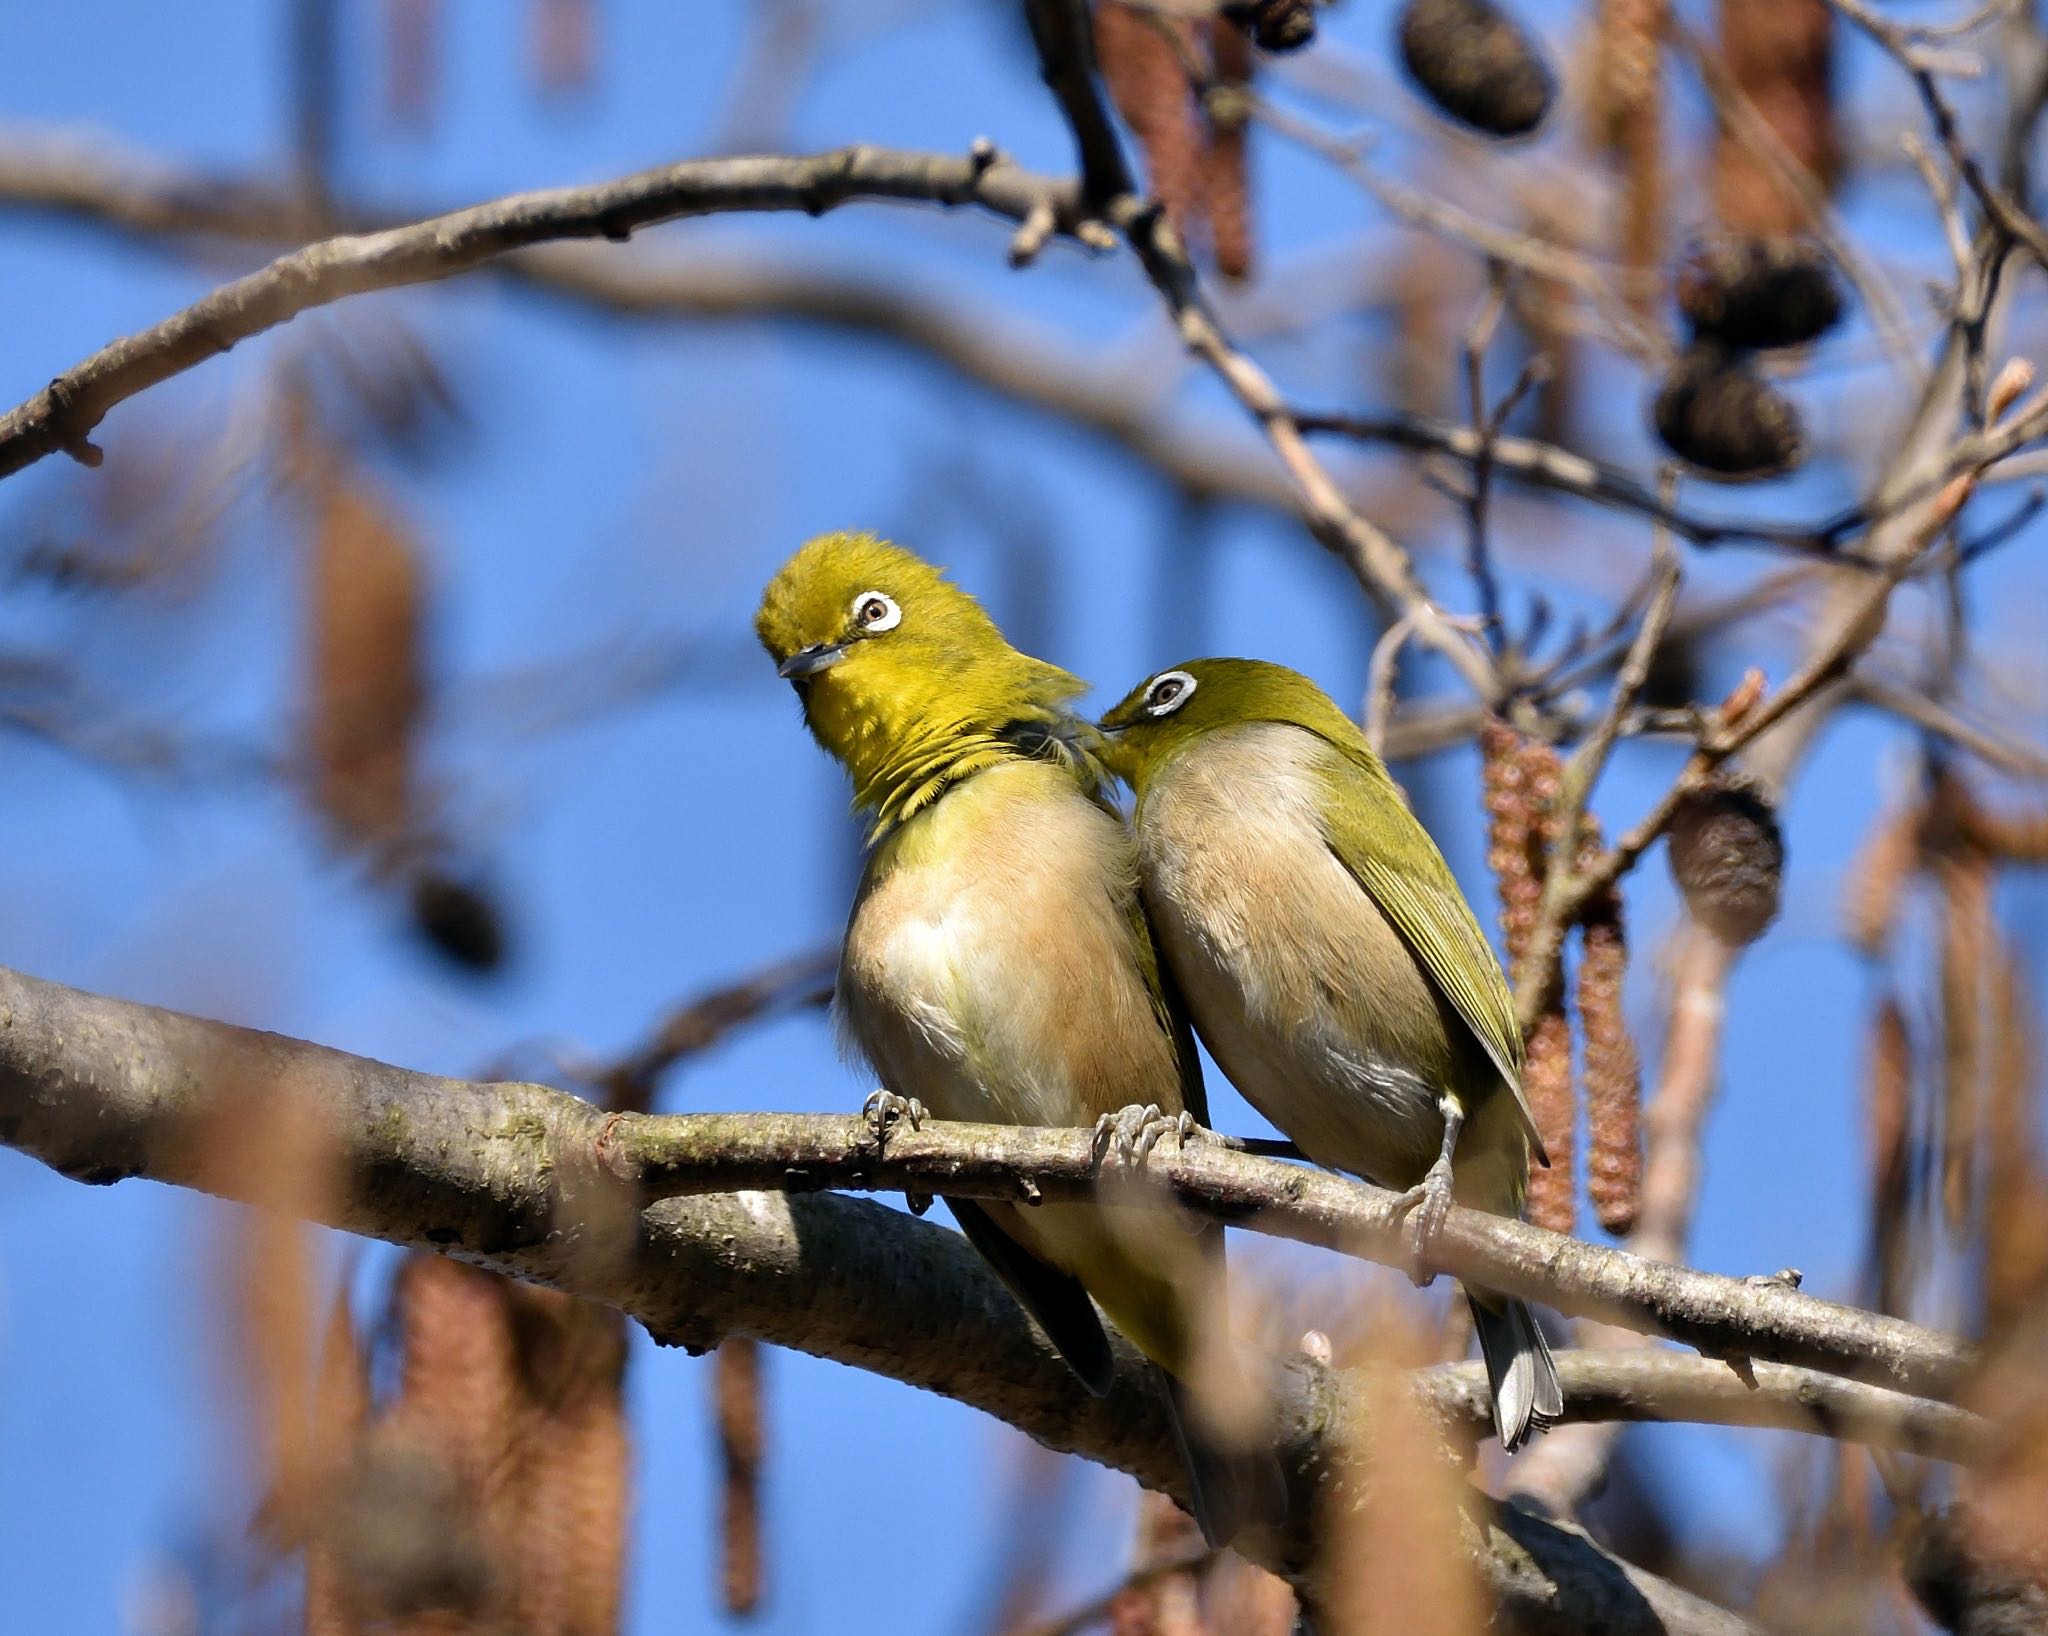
(1133, 1132)
(1425, 1206)
(883, 1109)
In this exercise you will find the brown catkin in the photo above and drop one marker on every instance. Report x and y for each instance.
(1542, 308)
(2015, 1195)
(341, 1410)
(1518, 780)
(1226, 171)
(736, 1385)
(1614, 1081)
(572, 1465)
(1168, 1604)
(1519, 784)
(1143, 70)
(1968, 947)
(2013, 837)
(1629, 105)
(412, 38)
(1779, 55)
(1547, 1080)
(1888, 1136)
(1876, 880)
(459, 1366)
(564, 45)
(365, 675)
(449, 1440)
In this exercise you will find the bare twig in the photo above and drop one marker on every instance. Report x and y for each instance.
(697, 1025)
(63, 414)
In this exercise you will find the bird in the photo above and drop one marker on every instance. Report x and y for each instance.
(1331, 965)
(997, 964)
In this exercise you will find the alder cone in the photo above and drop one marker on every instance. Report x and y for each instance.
(1744, 290)
(1275, 25)
(1728, 856)
(459, 919)
(1715, 412)
(1476, 64)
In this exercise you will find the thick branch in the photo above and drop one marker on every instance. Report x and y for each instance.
(63, 415)
(504, 1175)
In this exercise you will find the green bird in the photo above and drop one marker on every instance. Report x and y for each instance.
(1331, 964)
(998, 965)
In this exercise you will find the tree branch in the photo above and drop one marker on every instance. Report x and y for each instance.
(504, 1175)
(63, 415)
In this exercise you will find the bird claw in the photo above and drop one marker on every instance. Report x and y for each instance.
(883, 1109)
(1425, 1206)
(1133, 1132)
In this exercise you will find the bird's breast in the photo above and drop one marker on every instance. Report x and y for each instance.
(990, 967)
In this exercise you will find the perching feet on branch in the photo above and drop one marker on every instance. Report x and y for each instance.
(883, 1109)
(1133, 1132)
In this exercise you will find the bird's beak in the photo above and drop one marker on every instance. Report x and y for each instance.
(807, 662)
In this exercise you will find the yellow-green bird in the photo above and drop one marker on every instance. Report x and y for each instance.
(1331, 964)
(998, 965)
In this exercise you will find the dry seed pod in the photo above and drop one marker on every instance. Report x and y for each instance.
(1614, 1081)
(1226, 175)
(459, 1391)
(403, 1538)
(366, 687)
(1728, 856)
(1877, 879)
(737, 1387)
(1518, 781)
(2015, 1191)
(1547, 1082)
(2014, 837)
(564, 45)
(1717, 413)
(573, 1464)
(1628, 116)
(1745, 291)
(1146, 81)
(1275, 25)
(1779, 55)
(1475, 63)
(1969, 944)
(1888, 1132)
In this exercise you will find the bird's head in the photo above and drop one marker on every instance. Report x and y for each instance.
(1172, 709)
(893, 662)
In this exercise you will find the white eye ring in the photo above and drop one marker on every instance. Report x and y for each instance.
(876, 611)
(1162, 699)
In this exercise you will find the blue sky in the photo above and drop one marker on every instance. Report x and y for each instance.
(633, 483)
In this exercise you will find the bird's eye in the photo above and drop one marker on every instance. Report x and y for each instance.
(1168, 693)
(876, 611)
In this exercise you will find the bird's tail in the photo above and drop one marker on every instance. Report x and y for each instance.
(1234, 1481)
(1519, 1370)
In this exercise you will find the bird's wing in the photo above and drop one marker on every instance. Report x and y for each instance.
(1400, 868)
(1171, 1010)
